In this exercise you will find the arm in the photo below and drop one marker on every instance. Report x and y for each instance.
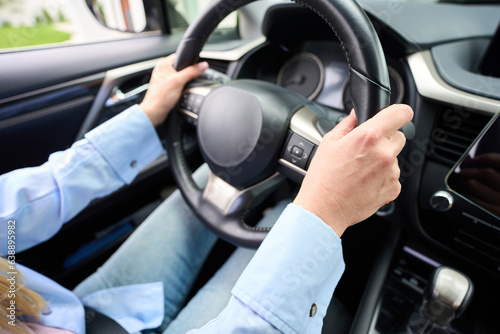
(300, 262)
(41, 199)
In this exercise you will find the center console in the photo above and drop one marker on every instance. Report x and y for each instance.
(457, 230)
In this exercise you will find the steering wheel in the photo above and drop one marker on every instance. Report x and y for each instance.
(248, 129)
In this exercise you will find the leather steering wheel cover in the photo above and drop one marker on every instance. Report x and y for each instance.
(369, 90)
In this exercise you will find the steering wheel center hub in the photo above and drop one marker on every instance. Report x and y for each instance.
(229, 127)
(241, 129)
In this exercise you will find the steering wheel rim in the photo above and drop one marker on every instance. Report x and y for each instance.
(369, 82)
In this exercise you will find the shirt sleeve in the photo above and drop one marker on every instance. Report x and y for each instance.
(35, 202)
(289, 283)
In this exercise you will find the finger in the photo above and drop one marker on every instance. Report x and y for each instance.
(399, 140)
(389, 120)
(167, 63)
(192, 72)
(344, 127)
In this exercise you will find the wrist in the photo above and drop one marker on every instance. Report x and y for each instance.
(324, 214)
(156, 118)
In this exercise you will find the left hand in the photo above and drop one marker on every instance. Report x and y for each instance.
(165, 88)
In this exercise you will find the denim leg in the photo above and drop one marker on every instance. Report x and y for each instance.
(170, 246)
(210, 300)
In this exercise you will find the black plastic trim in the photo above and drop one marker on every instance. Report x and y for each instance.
(366, 311)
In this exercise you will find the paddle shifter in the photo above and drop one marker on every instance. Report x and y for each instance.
(447, 295)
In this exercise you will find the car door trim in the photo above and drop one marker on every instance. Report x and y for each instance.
(112, 78)
(85, 81)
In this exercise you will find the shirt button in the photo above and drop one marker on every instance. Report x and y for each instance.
(133, 163)
(313, 310)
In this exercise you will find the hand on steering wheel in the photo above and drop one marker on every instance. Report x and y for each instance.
(245, 127)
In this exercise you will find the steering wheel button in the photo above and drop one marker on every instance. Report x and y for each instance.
(298, 153)
(191, 100)
(197, 100)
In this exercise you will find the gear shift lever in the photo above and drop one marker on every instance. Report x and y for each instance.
(447, 295)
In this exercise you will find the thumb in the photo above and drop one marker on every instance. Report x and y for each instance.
(192, 72)
(344, 127)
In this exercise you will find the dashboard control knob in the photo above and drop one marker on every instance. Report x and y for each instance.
(386, 209)
(441, 201)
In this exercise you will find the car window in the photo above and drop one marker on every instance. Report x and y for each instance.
(34, 23)
(26, 24)
(182, 13)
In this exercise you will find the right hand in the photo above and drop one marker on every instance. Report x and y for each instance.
(355, 169)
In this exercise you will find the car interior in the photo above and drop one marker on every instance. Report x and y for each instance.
(440, 237)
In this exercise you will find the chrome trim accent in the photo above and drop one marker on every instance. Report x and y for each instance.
(111, 80)
(430, 84)
(229, 199)
(445, 195)
(220, 193)
(201, 90)
(188, 113)
(303, 123)
(77, 82)
(451, 287)
(292, 166)
(117, 96)
(234, 54)
(318, 61)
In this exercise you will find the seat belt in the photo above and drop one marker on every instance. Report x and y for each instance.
(98, 323)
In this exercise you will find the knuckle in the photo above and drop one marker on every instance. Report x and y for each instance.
(371, 136)
(386, 159)
(396, 173)
(397, 190)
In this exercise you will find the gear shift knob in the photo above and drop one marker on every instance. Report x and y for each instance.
(447, 295)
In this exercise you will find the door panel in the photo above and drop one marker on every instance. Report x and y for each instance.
(33, 127)
(51, 97)
(28, 71)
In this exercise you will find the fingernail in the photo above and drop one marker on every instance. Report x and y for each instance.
(203, 66)
(352, 111)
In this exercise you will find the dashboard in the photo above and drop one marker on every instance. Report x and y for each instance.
(318, 71)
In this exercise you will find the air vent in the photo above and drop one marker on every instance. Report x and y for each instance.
(218, 65)
(459, 128)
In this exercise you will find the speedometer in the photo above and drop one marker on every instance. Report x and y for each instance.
(303, 74)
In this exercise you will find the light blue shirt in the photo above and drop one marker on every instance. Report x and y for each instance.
(298, 265)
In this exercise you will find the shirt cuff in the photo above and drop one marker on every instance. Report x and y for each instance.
(128, 142)
(291, 279)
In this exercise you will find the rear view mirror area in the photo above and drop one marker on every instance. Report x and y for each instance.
(122, 15)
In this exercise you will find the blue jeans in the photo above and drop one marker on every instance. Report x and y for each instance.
(170, 246)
